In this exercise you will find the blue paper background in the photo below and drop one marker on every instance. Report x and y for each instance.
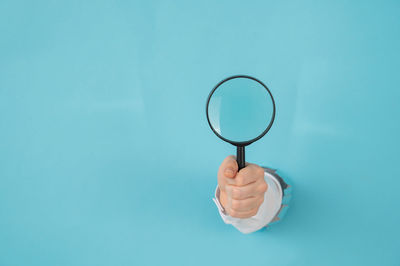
(106, 157)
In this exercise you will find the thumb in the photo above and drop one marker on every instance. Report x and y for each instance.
(229, 167)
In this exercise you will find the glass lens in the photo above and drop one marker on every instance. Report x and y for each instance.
(240, 109)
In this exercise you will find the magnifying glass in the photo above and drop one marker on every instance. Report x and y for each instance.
(240, 110)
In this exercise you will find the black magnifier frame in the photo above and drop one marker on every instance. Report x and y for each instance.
(241, 144)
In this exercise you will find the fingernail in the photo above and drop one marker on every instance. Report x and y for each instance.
(229, 171)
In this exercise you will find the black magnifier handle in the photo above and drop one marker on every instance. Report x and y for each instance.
(240, 157)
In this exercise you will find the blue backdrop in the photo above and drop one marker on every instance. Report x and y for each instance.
(106, 157)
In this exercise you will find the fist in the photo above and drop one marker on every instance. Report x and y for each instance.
(241, 192)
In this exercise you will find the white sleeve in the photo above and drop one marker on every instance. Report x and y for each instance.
(266, 214)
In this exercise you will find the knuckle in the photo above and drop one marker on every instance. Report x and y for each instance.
(227, 159)
(230, 161)
(230, 158)
(263, 187)
(233, 213)
(260, 171)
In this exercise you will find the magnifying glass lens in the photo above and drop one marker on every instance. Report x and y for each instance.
(240, 109)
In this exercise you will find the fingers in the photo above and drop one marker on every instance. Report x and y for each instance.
(241, 192)
(246, 204)
(251, 190)
(249, 174)
(228, 168)
(245, 208)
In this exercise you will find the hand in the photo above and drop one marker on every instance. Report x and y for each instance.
(241, 193)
